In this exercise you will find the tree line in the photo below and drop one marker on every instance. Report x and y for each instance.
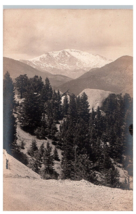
(94, 142)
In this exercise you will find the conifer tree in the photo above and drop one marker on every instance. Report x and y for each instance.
(35, 84)
(55, 155)
(46, 92)
(68, 159)
(84, 107)
(48, 88)
(41, 151)
(9, 122)
(31, 112)
(65, 106)
(21, 83)
(72, 112)
(33, 148)
(48, 159)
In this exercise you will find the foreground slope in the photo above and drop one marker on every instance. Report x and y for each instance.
(23, 194)
(16, 68)
(17, 169)
(116, 76)
(25, 191)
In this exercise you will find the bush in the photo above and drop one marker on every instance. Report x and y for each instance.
(49, 136)
(124, 185)
(113, 177)
(59, 145)
(35, 165)
(33, 148)
(54, 142)
(20, 156)
(40, 133)
(55, 155)
(54, 138)
(52, 175)
(22, 145)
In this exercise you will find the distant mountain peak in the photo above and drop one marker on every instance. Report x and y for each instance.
(70, 62)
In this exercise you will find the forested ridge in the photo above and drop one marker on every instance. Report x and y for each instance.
(91, 142)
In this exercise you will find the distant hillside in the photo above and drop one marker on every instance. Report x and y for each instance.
(95, 97)
(16, 68)
(116, 76)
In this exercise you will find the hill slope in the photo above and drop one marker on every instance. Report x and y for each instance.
(17, 169)
(50, 195)
(16, 68)
(69, 62)
(96, 97)
(116, 76)
(24, 190)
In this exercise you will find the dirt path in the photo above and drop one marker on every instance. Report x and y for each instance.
(23, 194)
(24, 190)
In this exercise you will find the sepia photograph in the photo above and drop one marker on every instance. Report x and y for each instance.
(68, 108)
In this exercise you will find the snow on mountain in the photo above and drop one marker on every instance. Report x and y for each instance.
(95, 97)
(69, 62)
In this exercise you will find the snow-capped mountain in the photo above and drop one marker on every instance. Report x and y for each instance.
(69, 62)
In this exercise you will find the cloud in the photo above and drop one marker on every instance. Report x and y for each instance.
(33, 32)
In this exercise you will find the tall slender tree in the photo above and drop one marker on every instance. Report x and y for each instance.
(21, 83)
(31, 112)
(9, 121)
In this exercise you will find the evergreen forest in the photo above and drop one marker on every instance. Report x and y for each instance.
(92, 142)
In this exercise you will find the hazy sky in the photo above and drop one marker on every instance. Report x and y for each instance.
(30, 33)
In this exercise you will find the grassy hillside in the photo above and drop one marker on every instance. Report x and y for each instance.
(95, 97)
(27, 139)
(17, 169)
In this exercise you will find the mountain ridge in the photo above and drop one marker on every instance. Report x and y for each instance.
(70, 62)
(16, 68)
(116, 77)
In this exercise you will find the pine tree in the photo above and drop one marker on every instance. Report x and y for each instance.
(31, 112)
(113, 177)
(48, 160)
(41, 151)
(35, 84)
(48, 89)
(68, 160)
(33, 148)
(72, 112)
(55, 155)
(21, 83)
(84, 108)
(9, 122)
(44, 97)
(65, 106)
(35, 161)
